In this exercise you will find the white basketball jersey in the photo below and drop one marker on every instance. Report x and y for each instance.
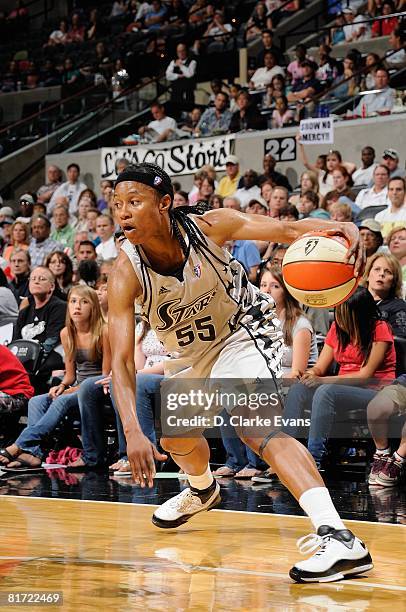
(199, 308)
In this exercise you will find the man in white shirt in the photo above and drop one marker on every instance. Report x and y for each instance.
(162, 128)
(264, 75)
(180, 73)
(383, 100)
(377, 195)
(71, 190)
(364, 175)
(105, 231)
(395, 214)
(354, 30)
(250, 190)
(397, 41)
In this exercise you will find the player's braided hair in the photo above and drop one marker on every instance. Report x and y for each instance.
(154, 176)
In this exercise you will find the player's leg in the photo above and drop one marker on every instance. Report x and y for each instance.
(387, 469)
(192, 454)
(379, 411)
(338, 551)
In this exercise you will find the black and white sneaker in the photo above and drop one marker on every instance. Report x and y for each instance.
(182, 507)
(339, 553)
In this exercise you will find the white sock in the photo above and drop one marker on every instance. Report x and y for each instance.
(203, 481)
(399, 457)
(383, 451)
(319, 507)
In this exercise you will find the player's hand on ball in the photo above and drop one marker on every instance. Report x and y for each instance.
(356, 248)
(141, 455)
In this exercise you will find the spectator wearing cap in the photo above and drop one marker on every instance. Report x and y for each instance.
(370, 230)
(41, 243)
(364, 175)
(249, 189)
(228, 185)
(63, 232)
(397, 246)
(270, 174)
(377, 195)
(382, 100)
(247, 117)
(257, 206)
(390, 159)
(46, 191)
(26, 209)
(6, 221)
(71, 189)
(215, 119)
(263, 76)
(306, 87)
(395, 214)
(354, 29)
(6, 212)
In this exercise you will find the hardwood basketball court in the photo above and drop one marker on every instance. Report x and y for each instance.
(109, 555)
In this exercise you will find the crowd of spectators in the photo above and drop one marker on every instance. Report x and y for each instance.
(62, 239)
(102, 40)
(59, 243)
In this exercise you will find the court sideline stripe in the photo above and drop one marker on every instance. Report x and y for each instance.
(203, 568)
(117, 503)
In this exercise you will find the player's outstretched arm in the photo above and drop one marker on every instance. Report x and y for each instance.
(123, 288)
(226, 224)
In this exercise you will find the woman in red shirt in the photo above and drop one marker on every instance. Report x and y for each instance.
(362, 345)
(385, 27)
(15, 386)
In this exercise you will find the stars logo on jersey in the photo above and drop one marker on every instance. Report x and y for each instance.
(174, 312)
(197, 270)
(163, 290)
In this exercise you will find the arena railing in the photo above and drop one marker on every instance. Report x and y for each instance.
(363, 71)
(327, 29)
(74, 126)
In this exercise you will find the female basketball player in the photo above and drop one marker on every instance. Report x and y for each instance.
(216, 325)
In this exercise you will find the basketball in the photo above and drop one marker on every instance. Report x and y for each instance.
(315, 271)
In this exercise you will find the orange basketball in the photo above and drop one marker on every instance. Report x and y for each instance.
(315, 271)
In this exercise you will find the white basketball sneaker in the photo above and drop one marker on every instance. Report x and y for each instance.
(182, 507)
(339, 553)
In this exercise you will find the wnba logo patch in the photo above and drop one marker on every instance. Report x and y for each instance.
(197, 270)
(311, 245)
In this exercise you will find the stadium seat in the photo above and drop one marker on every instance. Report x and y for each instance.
(369, 212)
